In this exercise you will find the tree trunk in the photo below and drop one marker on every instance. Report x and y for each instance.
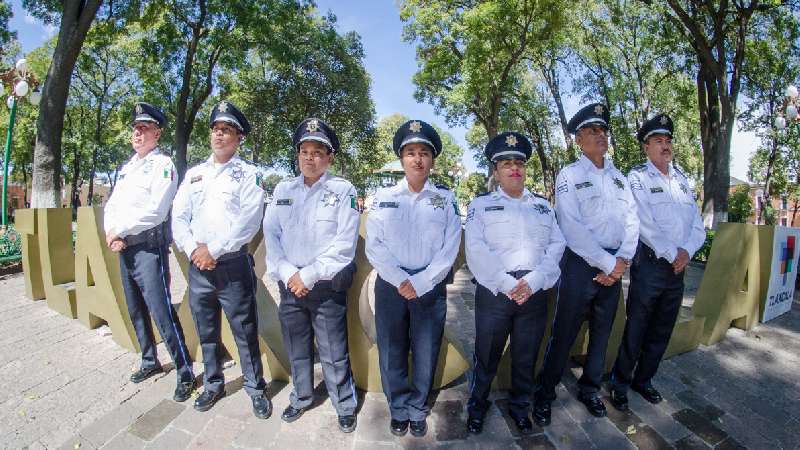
(553, 85)
(76, 19)
(74, 197)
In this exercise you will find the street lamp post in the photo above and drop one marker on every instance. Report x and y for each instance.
(20, 80)
(788, 115)
(457, 173)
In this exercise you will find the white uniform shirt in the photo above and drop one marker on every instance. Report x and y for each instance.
(413, 230)
(596, 211)
(220, 205)
(506, 234)
(142, 196)
(668, 214)
(315, 228)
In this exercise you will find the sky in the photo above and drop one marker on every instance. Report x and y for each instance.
(391, 64)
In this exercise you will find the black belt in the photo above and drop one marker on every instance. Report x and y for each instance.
(518, 273)
(650, 254)
(414, 271)
(233, 255)
(155, 236)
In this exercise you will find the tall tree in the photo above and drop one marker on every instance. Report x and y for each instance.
(718, 32)
(772, 62)
(471, 53)
(6, 35)
(189, 42)
(74, 18)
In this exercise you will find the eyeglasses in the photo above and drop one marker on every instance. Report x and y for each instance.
(225, 130)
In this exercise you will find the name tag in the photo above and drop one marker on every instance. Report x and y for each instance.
(656, 190)
(388, 205)
(196, 179)
(585, 184)
(494, 208)
(284, 202)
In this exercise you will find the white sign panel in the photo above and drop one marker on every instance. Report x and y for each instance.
(783, 272)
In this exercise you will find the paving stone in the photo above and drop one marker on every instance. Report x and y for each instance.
(449, 421)
(534, 442)
(691, 442)
(124, 441)
(646, 438)
(700, 405)
(565, 433)
(219, 432)
(171, 438)
(700, 426)
(604, 434)
(656, 416)
(155, 420)
(623, 420)
(259, 433)
(730, 444)
(193, 421)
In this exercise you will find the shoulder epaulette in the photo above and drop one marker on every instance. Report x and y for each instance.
(539, 195)
(442, 186)
(482, 194)
(640, 167)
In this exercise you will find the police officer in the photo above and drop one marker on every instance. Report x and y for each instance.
(513, 245)
(136, 221)
(216, 213)
(597, 215)
(670, 232)
(413, 237)
(311, 230)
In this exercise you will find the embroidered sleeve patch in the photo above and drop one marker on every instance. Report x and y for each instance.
(636, 184)
(562, 188)
(470, 214)
(455, 208)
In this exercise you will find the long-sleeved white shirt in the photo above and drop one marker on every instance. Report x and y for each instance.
(506, 234)
(596, 211)
(668, 214)
(413, 230)
(142, 196)
(220, 205)
(313, 230)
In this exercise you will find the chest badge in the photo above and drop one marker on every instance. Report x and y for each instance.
(237, 174)
(329, 198)
(684, 188)
(618, 183)
(437, 201)
(541, 209)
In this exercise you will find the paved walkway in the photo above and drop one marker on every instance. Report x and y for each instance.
(64, 385)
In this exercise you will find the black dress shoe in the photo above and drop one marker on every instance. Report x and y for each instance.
(347, 423)
(290, 414)
(523, 424)
(619, 399)
(145, 373)
(593, 404)
(399, 427)
(474, 425)
(183, 391)
(262, 407)
(649, 393)
(541, 413)
(418, 427)
(207, 399)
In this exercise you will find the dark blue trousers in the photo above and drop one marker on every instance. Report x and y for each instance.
(580, 298)
(402, 326)
(654, 300)
(145, 280)
(322, 314)
(496, 318)
(230, 287)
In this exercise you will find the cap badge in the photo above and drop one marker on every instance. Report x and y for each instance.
(312, 126)
(138, 109)
(415, 126)
(664, 120)
(223, 107)
(511, 140)
(598, 109)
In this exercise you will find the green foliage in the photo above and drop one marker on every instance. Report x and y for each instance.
(470, 187)
(740, 206)
(6, 36)
(704, 251)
